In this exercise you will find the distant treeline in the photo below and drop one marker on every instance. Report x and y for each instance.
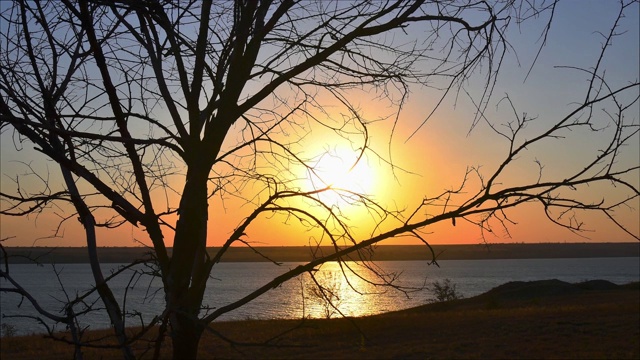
(68, 255)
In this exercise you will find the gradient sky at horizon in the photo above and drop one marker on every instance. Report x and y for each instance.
(440, 151)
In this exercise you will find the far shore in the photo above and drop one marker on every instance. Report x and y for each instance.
(67, 255)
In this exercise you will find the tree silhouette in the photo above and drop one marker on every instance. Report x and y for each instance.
(152, 109)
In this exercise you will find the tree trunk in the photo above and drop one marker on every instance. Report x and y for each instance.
(186, 335)
(184, 295)
(106, 295)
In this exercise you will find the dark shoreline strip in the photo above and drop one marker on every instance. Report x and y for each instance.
(67, 255)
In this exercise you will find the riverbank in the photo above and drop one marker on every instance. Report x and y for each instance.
(542, 319)
(69, 255)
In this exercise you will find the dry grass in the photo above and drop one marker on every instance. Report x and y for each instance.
(595, 324)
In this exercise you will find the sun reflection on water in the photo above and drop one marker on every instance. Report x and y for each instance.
(338, 291)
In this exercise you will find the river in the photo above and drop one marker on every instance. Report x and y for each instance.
(296, 299)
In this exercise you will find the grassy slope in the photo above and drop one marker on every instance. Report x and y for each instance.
(602, 323)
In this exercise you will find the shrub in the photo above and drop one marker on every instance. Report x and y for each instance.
(444, 291)
(8, 330)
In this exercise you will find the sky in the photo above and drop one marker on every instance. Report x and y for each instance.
(435, 157)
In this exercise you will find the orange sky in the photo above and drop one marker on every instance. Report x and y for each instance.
(438, 156)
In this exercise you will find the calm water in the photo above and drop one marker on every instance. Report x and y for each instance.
(295, 299)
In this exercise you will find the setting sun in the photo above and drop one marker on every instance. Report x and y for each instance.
(342, 172)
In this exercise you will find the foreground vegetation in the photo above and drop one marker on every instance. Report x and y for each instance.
(545, 319)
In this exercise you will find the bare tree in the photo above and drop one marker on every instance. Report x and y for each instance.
(132, 98)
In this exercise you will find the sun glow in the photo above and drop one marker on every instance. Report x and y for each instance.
(340, 173)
